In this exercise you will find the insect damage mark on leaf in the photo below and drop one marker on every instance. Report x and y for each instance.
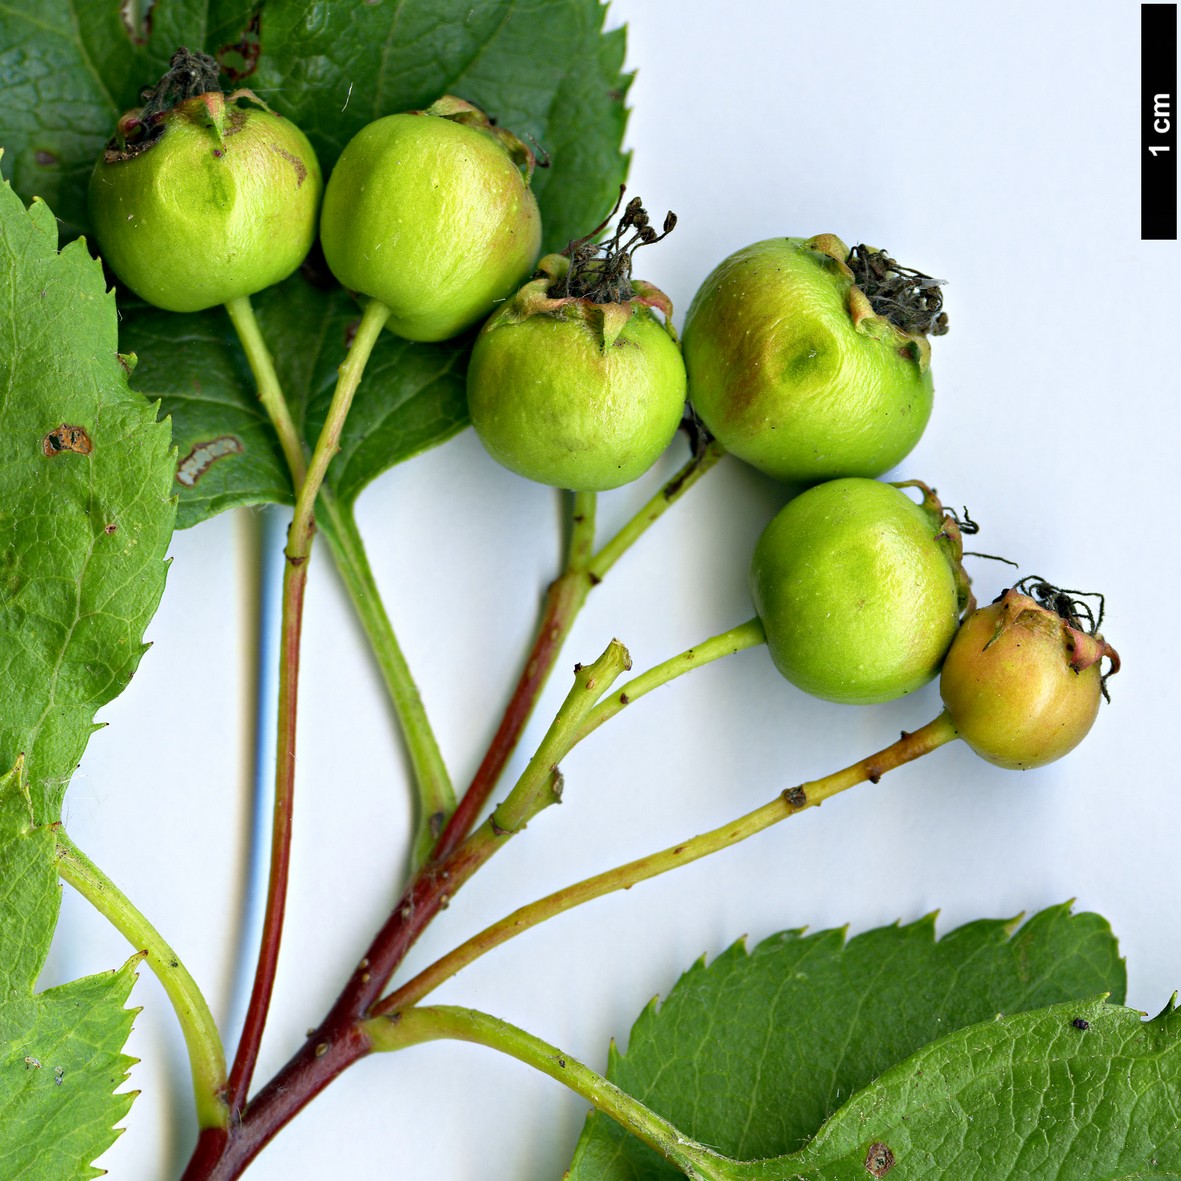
(136, 16)
(67, 438)
(203, 455)
(879, 1160)
(239, 59)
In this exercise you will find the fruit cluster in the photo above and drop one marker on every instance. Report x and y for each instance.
(804, 358)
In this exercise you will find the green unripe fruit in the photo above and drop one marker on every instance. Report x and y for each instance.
(220, 204)
(1021, 684)
(792, 369)
(431, 213)
(573, 393)
(859, 590)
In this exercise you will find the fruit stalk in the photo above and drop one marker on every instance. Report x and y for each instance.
(737, 639)
(701, 462)
(270, 392)
(785, 805)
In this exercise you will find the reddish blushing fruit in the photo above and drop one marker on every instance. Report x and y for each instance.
(810, 361)
(576, 381)
(1024, 676)
(860, 589)
(204, 197)
(431, 213)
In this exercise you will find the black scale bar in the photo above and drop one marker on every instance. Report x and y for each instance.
(1158, 122)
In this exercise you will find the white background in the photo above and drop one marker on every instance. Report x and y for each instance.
(993, 145)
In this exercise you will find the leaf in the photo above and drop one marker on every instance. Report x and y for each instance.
(752, 1053)
(70, 67)
(85, 504)
(60, 1050)
(1086, 1091)
(413, 396)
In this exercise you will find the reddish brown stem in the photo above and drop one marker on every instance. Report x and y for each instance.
(562, 602)
(452, 863)
(300, 534)
(294, 585)
(339, 1040)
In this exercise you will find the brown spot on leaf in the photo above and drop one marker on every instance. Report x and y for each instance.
(879, 1160)
(109, 529)
(44, 158)
(203, 456)
(67, 438)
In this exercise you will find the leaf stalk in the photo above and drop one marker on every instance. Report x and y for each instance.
(434, 791)
(207, 1060)
(413, 1026)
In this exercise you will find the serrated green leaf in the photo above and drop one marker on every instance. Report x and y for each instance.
(60, 1050)
(86, 510)
(29, 893)
(751, 1053)
(1085, 1090)
(72, 66)
(412, 397)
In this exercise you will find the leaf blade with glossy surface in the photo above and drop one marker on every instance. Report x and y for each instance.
(751, 1053)
(1080, 1090)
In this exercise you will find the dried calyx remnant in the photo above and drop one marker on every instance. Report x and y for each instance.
(189, 75)
(602, 271)
(907, 298)
(1072, 607)
(965, 523)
